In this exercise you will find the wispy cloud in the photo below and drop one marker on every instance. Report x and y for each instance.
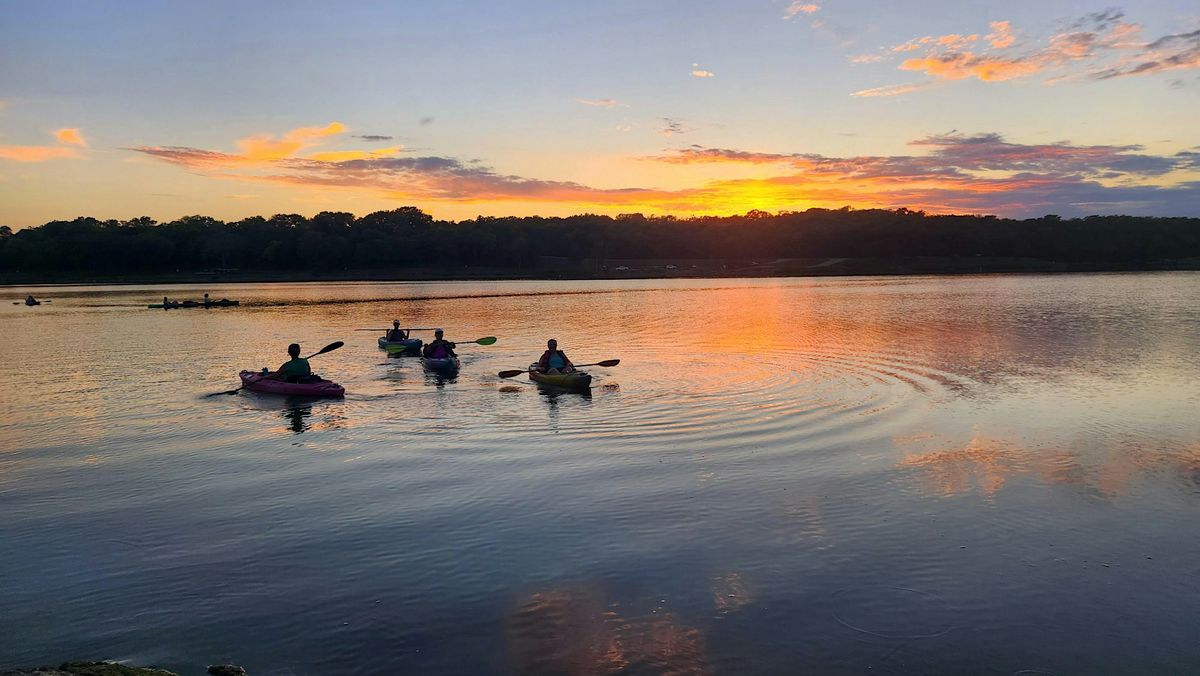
(343, 155)
(373, 138)
(1001, 36)
(36, 153)
(800, 7)
(602, 103)
(264, 147)
(70, 136)
(894, 90)
(697, 71)
(672, 127)
(66, 138)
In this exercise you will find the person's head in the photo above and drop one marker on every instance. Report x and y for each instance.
(552, 344)
(395, 323)
(439, 333)
(294, 350)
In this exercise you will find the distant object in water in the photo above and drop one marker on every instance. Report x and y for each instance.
(168, 304)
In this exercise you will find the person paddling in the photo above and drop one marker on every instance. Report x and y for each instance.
(294, 369)
(439, 348)
(397, 333)
(30, 300)
(554, 360)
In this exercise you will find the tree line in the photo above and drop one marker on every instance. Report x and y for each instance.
(409, 238)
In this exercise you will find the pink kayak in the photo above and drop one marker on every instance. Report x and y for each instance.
(321, 388)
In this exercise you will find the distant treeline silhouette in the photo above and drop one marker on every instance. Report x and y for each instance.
(410, 238)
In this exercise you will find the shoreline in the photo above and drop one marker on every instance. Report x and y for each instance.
(677, 269)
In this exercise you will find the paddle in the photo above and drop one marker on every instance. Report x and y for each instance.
(480, 341)
(515, 372)
(328, 348)
(390, 328)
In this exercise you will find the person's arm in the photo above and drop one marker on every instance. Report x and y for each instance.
(566, 360)
(277, 374)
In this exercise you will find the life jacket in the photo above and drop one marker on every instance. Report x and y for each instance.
(544, 362)
(438, 350)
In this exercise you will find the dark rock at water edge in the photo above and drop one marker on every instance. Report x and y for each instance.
(90, 669)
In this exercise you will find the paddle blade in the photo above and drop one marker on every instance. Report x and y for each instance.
(217, 394)
(509, 374)
(329, 348)
(487, 341)
(610, 362)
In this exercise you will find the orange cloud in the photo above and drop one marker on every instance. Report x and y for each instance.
(70, 136)
(343, 155)
(699, 72)
(1098, 46)
(800, 7)
(961, 65)
(35, 153)
(264, 147)
(1001, 35)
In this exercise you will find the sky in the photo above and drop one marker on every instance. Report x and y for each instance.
(555, 107)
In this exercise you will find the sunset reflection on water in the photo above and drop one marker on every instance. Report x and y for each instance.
(835, 476)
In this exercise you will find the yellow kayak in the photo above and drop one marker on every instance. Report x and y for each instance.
(577, 380)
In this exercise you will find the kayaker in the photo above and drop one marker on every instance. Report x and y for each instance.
(439, 348)
(554, 360)
(293, 369)
(30, 300)
(397, 333)
(206, 303)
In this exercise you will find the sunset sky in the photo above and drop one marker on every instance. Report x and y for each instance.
(462, 108)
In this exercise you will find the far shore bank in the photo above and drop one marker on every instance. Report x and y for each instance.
(657, 269)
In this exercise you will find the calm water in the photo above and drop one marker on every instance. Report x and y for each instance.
(992, 475)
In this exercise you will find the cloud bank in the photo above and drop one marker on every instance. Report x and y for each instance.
(1098, 46)
(947, 173)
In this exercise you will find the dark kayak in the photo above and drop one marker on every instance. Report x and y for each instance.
(191, 303)
(441, 365)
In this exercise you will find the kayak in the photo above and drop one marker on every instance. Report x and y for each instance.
(411, 346)
(570, 381)
(191, 303)
(321, 388)
(442, 365)
(36, 302)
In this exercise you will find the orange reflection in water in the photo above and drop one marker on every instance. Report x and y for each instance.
(1106, 469)
(983, 463)
(578, 632)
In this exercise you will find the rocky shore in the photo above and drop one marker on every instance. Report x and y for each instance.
(114, 669)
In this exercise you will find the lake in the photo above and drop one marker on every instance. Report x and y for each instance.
(901, 475)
